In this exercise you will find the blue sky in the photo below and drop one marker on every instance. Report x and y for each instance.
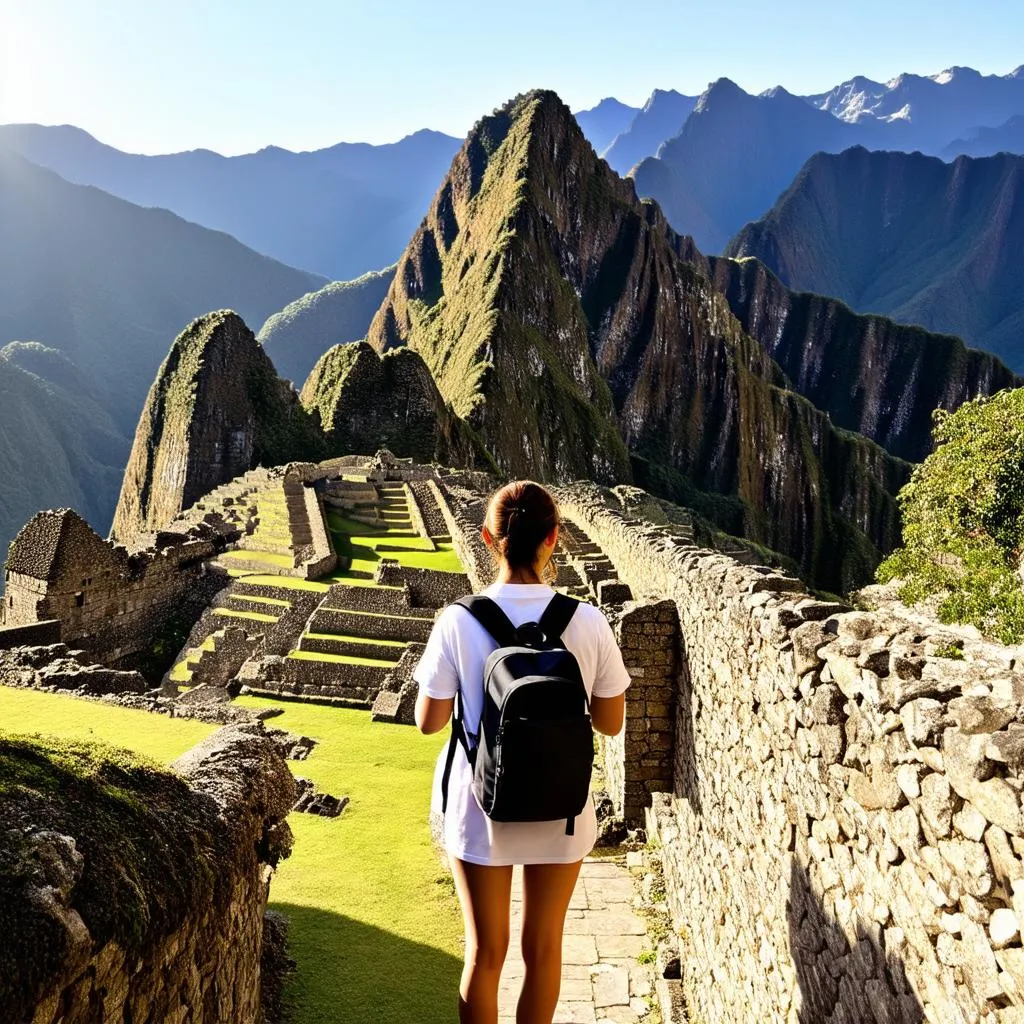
(155, 76)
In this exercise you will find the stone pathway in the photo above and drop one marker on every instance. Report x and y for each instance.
(601, 977)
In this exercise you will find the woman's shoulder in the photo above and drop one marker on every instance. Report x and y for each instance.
(590, 617)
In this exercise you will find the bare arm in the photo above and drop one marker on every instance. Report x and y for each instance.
(608, 713)
(432, 713)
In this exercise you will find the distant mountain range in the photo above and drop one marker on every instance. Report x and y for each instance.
(338, 212)
(922, 241)
(719, 160)
(103, 286)
(1007, 138)
(931, 111)
(603, 123)
(662, 116)
(735, 154)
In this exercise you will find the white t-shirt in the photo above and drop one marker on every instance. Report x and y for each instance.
(454, 657)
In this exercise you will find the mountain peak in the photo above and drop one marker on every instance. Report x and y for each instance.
(724, 90)
(557, 317)
(216, 409)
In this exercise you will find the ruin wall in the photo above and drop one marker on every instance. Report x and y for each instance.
(194, 954)
(843, 837)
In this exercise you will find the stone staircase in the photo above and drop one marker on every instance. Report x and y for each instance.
(588, 573)
(430, 512)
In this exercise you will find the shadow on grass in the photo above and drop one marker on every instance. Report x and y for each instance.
(350, 972)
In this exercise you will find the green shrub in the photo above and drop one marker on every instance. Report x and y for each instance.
(963, 519)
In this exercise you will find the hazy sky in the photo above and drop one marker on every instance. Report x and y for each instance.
(153, 76)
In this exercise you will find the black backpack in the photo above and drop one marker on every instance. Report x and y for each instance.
(534, 753)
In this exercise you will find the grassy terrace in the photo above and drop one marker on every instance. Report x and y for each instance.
(364, 544)
(374, 922)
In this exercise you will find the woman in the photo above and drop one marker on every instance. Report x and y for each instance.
(521, 531)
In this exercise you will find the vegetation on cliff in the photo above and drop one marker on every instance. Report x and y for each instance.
(216, 409)
(366, 402)
(963, 519)
(922, 241)
(557, 317)
(871, 375)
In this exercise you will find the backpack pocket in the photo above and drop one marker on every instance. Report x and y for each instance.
(541, 769)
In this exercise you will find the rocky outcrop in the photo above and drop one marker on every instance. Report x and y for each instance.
(556, 316)
(367, 402)
(909, 236)
(134, 893)
(216, 409)
(870, 374)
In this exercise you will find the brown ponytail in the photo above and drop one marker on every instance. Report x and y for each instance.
(519, 516)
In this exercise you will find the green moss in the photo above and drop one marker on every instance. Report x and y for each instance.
(151, 852)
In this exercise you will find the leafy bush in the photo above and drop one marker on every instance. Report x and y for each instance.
(963, 519)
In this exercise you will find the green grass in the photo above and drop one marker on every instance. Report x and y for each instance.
(162, 738)
(180, 673)
(276, 601)
(375, 927)
(338, 523)
(284, 582)
(444, 559)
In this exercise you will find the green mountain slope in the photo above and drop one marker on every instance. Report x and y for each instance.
(367, 402)
(557, 316)
(929, 243)
(109, 284)
(870, 374)
(297, 336)
(58, 445)
(216, 409)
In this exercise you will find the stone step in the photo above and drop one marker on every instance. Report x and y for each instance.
(303, 698)
(370, 626)
(327, 644)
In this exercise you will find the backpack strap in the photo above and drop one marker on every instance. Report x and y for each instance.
(491, 617)
(557, 616)
(458, 736)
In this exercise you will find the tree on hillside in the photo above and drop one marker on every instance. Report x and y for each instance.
(963, 519)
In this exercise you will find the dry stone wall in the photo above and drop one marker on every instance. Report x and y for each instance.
(843, 837)
(109, 602)
(194, 959)
(639, 761)
(33, 635)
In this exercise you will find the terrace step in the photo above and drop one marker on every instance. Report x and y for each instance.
(370, 626)
(350, 648)
(304, 698)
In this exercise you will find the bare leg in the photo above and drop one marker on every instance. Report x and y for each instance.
(485, 894)
(547, 889)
